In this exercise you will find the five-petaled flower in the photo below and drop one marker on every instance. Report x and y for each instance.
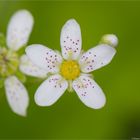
(71, 69)
(19, 29)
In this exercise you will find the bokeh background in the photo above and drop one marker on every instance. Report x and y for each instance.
(120, 80)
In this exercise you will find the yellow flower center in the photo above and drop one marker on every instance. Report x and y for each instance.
(9, 62)
(70, 69)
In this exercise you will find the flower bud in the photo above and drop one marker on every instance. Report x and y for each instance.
(110, 39)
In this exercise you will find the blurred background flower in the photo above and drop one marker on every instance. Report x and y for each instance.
(18, 31)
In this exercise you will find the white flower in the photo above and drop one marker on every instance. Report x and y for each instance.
(19, 29)
(71, 69)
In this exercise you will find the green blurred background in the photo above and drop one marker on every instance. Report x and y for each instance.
(120, 80)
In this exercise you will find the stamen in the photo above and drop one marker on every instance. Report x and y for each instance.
(70, 70)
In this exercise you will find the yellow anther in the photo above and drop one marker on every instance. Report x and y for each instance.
(70, 69)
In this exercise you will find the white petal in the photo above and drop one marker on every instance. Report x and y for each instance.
(89, 92)
(96, 58)
(50, 90)
(17, 95)
(44, 57)
(71, 40)
(19, 29)
(27, 67)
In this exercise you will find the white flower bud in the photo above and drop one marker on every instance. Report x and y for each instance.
(110, 39)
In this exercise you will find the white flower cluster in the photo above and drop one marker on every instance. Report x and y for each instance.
(70, 69)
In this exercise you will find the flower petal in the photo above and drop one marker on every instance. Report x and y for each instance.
(44, 57)
(50, 90)
(17, 95)
(71, 40)
(19, 29)
(28, 68)
(96, 58)
(89, 92)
